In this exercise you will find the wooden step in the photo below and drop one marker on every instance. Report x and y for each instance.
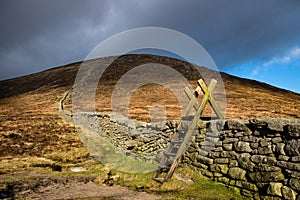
(164, 167)
(160, 180)
(169, 154)
(187, 118)
(176, 142)
(207, 118)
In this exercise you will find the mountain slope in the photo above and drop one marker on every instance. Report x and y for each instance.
(30, 122)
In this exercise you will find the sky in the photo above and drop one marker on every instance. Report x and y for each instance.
(257, 39)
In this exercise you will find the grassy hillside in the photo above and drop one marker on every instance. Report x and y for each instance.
(35, 140)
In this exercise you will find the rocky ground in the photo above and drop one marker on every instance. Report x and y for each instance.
(78, 189)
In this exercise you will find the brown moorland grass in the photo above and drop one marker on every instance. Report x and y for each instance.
(30, 125)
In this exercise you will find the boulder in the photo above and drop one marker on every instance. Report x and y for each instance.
(288, 193)
(236, 173)
(244, 161)
(242, 147)
(236, 125)
(265, 177)
(274, 189)
(292, 147)
(293, 130)
(295, 184)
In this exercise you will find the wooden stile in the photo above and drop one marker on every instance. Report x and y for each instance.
(179, 144)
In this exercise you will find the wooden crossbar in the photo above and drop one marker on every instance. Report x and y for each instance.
(205, 90)
(211, 100)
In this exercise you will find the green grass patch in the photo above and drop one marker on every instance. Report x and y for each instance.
(203, 188)
(184, 184)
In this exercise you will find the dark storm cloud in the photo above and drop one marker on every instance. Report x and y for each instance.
(234, 31)
(38, 34)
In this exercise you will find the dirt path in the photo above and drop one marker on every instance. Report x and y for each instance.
(79, 190)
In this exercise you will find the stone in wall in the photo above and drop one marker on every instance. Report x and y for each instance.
(261, 157)
(292, 147)
(293, 130)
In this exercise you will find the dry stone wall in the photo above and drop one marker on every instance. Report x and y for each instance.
(261, 157)
(140, 140)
